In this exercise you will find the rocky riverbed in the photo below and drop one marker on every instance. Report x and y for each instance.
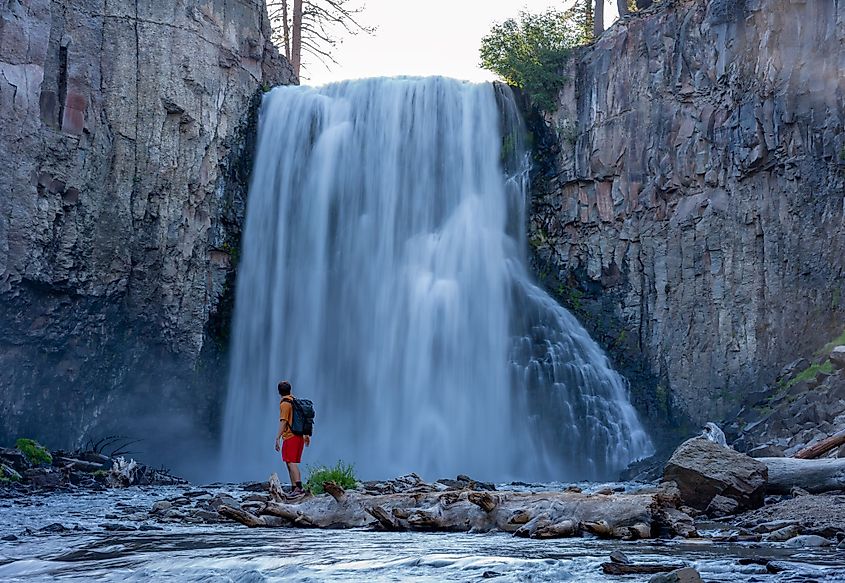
(126, 534)
(86, 515)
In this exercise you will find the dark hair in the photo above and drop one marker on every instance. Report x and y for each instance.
(284, 388)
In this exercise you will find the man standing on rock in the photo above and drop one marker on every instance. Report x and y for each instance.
(292, 444)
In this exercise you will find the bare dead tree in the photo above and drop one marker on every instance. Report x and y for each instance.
(623, 8)
(296, 37)
(314, 28)
(598, 18)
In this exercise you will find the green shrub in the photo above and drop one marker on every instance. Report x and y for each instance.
(529, 52)
(36, 453)
(341, 474)
(810, 372)
(6, 478)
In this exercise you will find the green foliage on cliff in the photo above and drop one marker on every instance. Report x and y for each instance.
(529, 52)
(36, 453)
(810, 372)
(342, 474)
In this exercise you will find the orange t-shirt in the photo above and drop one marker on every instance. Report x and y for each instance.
(286, 414)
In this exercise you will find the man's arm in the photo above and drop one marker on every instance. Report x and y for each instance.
(279, 433)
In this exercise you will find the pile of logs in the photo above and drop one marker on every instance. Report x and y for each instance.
(527, 514)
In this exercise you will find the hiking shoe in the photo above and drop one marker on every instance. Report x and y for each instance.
(296, 493)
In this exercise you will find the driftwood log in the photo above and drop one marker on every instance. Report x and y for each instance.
(814, 476)
(535, 515)
(822, 447)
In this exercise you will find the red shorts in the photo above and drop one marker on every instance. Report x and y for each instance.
(292, 449)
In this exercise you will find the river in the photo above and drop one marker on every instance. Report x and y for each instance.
(86, 551)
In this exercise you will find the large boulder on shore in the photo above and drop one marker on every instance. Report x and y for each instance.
(704, 470)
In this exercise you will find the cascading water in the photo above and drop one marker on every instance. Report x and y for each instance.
(383, 273)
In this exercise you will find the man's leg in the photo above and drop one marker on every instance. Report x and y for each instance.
(295, 476)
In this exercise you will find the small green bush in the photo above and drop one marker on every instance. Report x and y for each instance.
(36, 453)
(5, 479)
(810, 372)
(529, 52)
(342, 474)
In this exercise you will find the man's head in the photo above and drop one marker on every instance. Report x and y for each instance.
(284, 388)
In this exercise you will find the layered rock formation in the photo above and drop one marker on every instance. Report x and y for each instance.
(126, 131)
(690, 206)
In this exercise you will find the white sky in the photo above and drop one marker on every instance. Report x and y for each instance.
(430, 37)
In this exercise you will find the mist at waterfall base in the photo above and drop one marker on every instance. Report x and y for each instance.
(383, 273)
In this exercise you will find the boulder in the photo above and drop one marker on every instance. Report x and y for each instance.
(783, 534)
(766, 450)
(808, 540)
(721, 506)
(837, 357)
(703, 470)
(685, 575)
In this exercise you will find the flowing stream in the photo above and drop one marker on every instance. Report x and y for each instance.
(383, 272)
(83, 550)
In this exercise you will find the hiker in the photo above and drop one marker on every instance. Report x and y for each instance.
(294, 439)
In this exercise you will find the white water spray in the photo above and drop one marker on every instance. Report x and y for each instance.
(383, 273)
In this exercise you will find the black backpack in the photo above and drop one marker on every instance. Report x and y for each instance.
(303, 416)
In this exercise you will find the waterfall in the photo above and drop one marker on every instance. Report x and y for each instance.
(383, 273)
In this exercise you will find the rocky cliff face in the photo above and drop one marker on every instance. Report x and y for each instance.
(689, 206)
(126, 131)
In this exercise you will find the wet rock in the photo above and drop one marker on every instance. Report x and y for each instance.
(771, 526)
(574, 489)
(196, 493)
(490, 574)
(636, 569)
(207, 516)
(9, 538)
(783, 534)
(116, 527)
(721, 506)
(765, 451)
(618, 556)
(685, 575)
(461, 482)
(837, 357)
(703, 470)
(221, 499)
(795, 492)
(808, 540)
(677, 522)
(149, 527)
(256, 487)
(257, 498)
(605, 491)
(55, 527)
(161, 506)
(43, 477)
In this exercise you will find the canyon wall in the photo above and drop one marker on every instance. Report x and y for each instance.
(126, 131)
(689, 196)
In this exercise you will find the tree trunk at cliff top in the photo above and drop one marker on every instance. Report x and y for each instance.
(286, 28)
(623, 9)
(598, 18)
(296, 40)
(822, 447)
(534, 515)
(814, 476)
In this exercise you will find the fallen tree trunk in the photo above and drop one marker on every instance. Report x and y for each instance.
(822, 447)
(535, 515)
(814, 476)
